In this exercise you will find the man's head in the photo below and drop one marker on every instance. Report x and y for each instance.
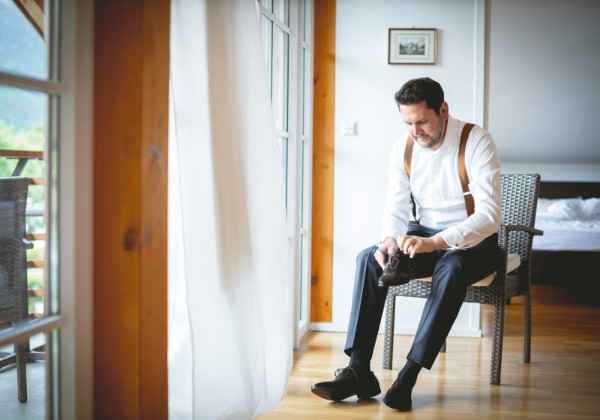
(422, 106)
(418, 90)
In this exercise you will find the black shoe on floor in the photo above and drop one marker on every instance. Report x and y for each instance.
(397, 271)
(347, 384)
(398, 397)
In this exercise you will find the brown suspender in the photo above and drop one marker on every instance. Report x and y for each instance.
(462, 169)
(408, 154)
(407, 160)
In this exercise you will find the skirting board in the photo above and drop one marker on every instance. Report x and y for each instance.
(331, 327)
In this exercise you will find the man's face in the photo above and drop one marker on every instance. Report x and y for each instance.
(424, 124)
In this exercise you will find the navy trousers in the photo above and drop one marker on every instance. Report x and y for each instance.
(451, 270)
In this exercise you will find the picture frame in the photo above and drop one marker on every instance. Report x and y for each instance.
(412, 46)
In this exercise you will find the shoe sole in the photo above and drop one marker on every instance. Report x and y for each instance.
(406, 406)
(331, 394)
(369, 395)
(391, 284)
(334, 395)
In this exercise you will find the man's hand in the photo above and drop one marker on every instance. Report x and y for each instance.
(413, 245)
(389, 247)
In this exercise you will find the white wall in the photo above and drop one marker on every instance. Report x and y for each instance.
(526, 69)
(543, 98)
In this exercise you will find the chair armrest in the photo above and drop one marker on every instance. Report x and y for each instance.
(27, 244)
(523, 228)
(503, 231)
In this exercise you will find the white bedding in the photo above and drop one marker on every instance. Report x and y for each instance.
(570, 224)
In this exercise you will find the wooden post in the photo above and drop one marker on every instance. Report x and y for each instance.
(323, 161)
(130, 208)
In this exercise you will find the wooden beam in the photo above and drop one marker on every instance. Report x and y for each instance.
(130, 208)
(323, 161)
(33, 10)
(22, 154)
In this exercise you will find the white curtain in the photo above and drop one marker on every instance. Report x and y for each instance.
(230, 301)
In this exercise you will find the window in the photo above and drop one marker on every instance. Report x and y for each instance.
(287, 41)
(38, 293)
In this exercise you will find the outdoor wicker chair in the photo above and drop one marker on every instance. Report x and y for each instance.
(512, 277)
(13, 291)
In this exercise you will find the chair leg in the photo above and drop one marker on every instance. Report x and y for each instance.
(21, 358)
(443, 349)
(497, 342)
(388, 342)
(527, 328)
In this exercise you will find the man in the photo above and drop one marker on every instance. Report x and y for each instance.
(447, 242)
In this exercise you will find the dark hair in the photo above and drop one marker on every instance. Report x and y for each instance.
(416, 91)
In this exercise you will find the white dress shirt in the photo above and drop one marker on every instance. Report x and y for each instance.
(435, 186)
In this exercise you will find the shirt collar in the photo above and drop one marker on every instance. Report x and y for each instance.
(451, 139)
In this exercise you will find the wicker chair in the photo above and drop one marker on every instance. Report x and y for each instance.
(13, 293)
(512, 277)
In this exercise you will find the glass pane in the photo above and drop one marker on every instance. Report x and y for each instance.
(303, 179)
(303, 227)
(301, 291)
(25, 400)
(267, 4)
(23, 128)
(303, 94)
(281, 9)
(284, 162)
(267, 29)
(303, 20)
(280, 78)
(25, 290)
(23, 50)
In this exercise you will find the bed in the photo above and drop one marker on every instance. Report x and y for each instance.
(568, 254)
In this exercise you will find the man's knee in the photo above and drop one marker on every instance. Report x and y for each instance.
(367, 266)
(451, 271)
(364, 255)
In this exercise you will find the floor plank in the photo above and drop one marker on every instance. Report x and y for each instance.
(562, 381)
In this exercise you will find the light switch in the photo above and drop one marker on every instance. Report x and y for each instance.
(348, 128)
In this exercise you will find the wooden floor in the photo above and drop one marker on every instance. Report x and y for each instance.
(562, 381)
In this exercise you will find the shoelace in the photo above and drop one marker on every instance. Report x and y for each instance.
(340, 370)
(393, 261)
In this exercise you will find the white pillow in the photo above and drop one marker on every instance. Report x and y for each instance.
(590, 209)
(569, 209)
(565, 209)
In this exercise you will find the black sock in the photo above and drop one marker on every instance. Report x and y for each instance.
(408, 375)
(359, 363)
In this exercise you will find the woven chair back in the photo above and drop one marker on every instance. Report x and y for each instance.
(519, 202)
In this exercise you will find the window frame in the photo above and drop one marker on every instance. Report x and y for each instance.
(296, 143)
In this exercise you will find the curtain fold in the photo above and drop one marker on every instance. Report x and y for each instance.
(230, 300)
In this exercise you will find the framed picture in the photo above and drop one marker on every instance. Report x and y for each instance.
(411, 46)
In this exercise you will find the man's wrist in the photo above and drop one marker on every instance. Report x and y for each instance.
(440, 242)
